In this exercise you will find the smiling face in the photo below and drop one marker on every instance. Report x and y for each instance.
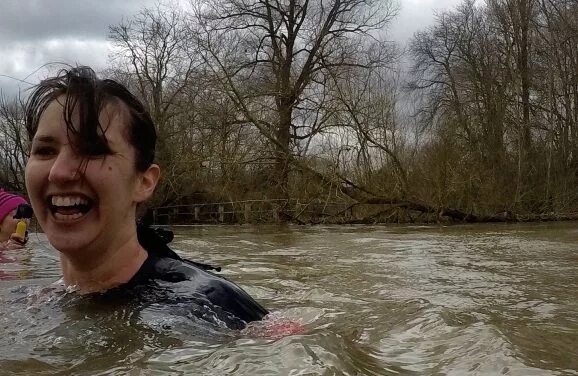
(85, 204)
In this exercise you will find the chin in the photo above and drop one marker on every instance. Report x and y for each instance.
(67, 239)
(67, 244)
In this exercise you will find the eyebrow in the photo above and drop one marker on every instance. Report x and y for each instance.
(44, 138)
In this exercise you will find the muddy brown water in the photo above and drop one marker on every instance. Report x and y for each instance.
(374, 300)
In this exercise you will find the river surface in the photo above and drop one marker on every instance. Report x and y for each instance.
(371, 300)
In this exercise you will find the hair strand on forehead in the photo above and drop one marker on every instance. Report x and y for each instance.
(85, 97)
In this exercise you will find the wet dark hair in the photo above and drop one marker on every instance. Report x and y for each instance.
(87, 95)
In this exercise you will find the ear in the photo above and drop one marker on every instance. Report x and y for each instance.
(147, 182)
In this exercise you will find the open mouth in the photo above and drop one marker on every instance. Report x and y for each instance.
(69, 207)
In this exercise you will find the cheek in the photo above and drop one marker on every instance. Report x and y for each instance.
(8, 225)
(33, 175)
(12, 223)
(110, 178)
(36, 181)
(29, 176)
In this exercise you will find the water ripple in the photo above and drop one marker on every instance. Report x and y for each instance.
(371, 300)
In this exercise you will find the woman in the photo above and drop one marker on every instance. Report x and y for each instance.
(9, 203)
(90, 166)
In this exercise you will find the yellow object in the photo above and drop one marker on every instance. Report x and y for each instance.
(21, 228)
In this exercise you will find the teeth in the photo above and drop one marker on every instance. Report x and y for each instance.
(68, 200)
(68, 217)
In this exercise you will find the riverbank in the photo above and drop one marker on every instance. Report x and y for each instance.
(319, 212)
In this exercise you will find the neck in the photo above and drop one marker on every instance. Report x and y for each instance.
(111, 269)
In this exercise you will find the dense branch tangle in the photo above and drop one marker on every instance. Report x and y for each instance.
(499, 82)
(156, 57)
(274, 57)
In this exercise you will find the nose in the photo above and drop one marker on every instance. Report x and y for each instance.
(66, 166)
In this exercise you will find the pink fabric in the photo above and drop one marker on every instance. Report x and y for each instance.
(9, 202)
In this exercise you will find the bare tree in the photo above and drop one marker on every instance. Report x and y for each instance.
(462, 73)
(516, 18)
(153, 56)
(499, 83)
(13, 147)
(273, 58)
(556, 96)
(153, 47)
(368, 109)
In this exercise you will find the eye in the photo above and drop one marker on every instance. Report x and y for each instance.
(97, 150)
(43, 151)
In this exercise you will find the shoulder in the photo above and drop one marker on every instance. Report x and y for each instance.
(197, 282)
(170, 269)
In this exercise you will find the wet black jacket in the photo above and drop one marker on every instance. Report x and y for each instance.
(204, 289)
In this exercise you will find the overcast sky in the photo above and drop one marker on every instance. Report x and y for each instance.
(36, 32)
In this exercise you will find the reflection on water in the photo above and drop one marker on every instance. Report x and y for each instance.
(484, 299)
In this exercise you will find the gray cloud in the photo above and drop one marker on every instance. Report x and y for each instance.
(27, 20)
(36, 32)
(416, 15)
